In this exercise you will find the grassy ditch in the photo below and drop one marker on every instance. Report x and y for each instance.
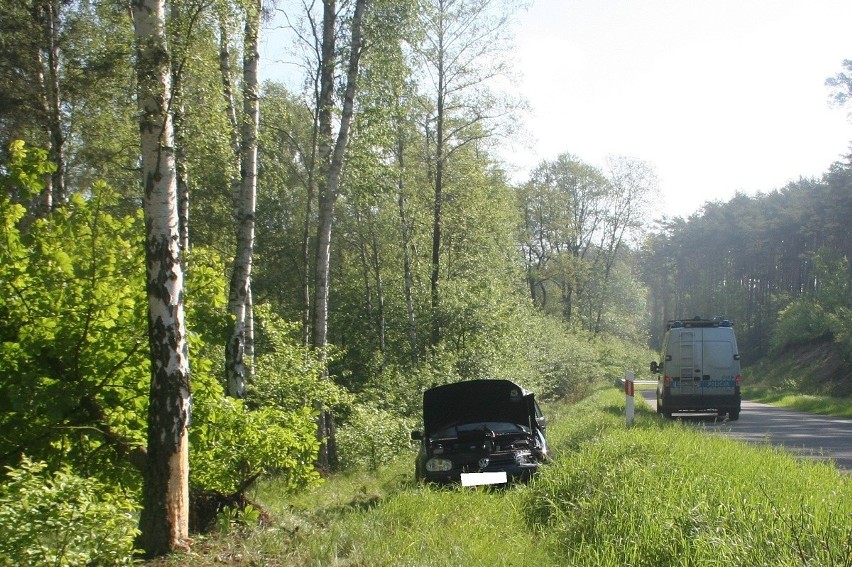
(658, 494)
(670, 495)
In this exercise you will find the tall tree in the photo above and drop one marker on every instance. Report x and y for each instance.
(632, 183)
(463, 50)
(566, 204)
(245, 202)
(841, 84)
(331, 154)
(33, 60)
(164, 521)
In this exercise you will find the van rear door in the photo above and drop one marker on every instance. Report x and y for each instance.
(718, 368)
(687, 354)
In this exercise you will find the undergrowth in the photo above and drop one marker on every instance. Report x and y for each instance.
(660, 493)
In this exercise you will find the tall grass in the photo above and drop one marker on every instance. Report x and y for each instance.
(660, 495)
(657, 494)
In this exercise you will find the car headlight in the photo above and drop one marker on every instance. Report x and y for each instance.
(439, 465)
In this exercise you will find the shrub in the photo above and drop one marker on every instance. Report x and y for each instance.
(372, 437)
(232, 446)
(62, 519)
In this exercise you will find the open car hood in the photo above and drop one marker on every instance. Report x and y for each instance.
(475, 401)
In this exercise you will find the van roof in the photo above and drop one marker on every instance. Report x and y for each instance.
(698, 322)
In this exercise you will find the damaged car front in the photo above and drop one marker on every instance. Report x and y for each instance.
(480, 432)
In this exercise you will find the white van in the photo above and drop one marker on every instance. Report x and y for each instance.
(700, 370)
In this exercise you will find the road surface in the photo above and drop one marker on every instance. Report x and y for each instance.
(806, 435)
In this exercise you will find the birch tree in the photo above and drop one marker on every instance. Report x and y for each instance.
(632, 184)
(31, 83)
(245, 200)
(164, 521)
(331, 153)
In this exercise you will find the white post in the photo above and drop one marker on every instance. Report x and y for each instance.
(628, 393)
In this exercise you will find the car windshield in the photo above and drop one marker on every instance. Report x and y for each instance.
(497, 427)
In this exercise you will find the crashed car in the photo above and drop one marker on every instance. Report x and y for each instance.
(480, 432)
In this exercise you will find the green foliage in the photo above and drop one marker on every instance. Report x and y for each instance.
(289, 376)
(25, 173)
(801, 322)
(74, 349)
(75, 360)
(230, 518)
(372, 437)
(232, 447)
(398, 389)
(63, 519)
(822, 314)
(272, 432)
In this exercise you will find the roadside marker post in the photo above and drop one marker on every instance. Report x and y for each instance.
(630, 410)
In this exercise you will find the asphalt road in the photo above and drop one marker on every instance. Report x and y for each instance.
(806, 435)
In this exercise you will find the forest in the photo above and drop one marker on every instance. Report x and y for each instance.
(206, 280)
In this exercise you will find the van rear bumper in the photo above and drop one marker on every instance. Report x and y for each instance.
(695, 402)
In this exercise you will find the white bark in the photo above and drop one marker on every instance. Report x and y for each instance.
(164, 521)
(331, 160)
(237, 365)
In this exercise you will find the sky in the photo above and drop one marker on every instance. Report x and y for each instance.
(718, 97)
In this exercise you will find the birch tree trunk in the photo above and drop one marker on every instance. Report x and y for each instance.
(245, 202)
(46, 15)
(164, 521)
(331, 164)
(57, 136)
(181, 163)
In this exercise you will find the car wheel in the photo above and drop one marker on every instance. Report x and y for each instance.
(733, 415)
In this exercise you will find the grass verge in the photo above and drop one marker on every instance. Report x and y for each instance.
(822, 405)
(658, 494)
(812, 379)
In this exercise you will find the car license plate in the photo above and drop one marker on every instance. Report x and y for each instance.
(477, 479)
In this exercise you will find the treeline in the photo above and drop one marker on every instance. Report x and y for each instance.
(777, 264)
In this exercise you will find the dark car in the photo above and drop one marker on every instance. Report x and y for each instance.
(480, 432)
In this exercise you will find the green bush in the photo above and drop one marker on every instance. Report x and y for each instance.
(802, 322)
(233, 446)
(822, 313)
(372, 437)
(62, 519)
(289, 376)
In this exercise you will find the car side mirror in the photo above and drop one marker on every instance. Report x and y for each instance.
(416, 435)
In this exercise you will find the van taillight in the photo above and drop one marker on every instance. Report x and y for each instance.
(737, 387)
(667, 380)
(739, 379)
